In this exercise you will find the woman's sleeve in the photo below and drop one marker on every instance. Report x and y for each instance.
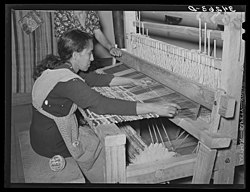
(93, 22)
(62, 22)
(94, 79)
(85, 97)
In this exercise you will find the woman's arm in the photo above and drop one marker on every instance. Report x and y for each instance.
(94, 79)
(162, 109)
(82, 95)
(116, 81)
(101, 38)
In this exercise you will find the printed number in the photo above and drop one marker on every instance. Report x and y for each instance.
(231, 9)
(224, 8)
(211, 9)
(204, 8)
(191, 8)
(218, 9)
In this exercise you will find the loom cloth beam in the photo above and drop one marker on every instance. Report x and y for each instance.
(192, 90)
(197, 128)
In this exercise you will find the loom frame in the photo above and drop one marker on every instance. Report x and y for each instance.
(218, 152)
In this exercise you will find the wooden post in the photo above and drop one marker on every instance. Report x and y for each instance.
(204, 164)
(129, 19)
(114, 144)
(231, 82)
(118, 28)
(115, 165)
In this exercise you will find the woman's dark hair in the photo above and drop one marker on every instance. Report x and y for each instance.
(71, 41)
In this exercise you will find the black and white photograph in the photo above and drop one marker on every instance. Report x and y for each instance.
(125, 96)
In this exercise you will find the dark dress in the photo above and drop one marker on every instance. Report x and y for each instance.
(45, 137)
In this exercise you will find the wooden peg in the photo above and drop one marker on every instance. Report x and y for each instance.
(142, 28)
(205, 38)
(208, 42)
(215, 49)
(139, 19)
(200, 35)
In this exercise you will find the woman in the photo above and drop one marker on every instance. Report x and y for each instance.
(59, 90)
(87, 21)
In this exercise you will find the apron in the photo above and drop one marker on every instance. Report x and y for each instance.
(82, 142)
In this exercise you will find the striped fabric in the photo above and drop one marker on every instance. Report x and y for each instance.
(28, 50)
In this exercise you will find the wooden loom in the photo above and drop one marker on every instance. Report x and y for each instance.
(217, 152)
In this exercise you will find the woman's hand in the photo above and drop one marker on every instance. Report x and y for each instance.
(166, 109)
(162, 109)
(115, 52)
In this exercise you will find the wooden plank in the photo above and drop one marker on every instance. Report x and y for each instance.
(240, 155)
(159, 171)
(199, 129)
(114, 140)
(129, 17)
(204, 165)
(187, 18)
(114, 164)
(108, 133)
(227, 106)
(121, 164)
(215, 117)
(21, 99)
(222, 19)
(20, 49)
(13, 55)
(231, 81)
(239, 159)
(191, 32)
(108, 165)
(31, 64)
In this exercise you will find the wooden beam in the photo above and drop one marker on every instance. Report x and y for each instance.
(214, 17)
(114, 145)
(114, 140)
(204, 165)
(239, 159)
(223, 19)
(200, 130)
(231, 81)
(184, 30)
(160, 171)
(227, 106)
(21, 99)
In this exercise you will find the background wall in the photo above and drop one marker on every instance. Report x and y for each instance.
(26, 51)
(29, 49)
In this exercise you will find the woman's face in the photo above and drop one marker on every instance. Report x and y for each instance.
(85, 57)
